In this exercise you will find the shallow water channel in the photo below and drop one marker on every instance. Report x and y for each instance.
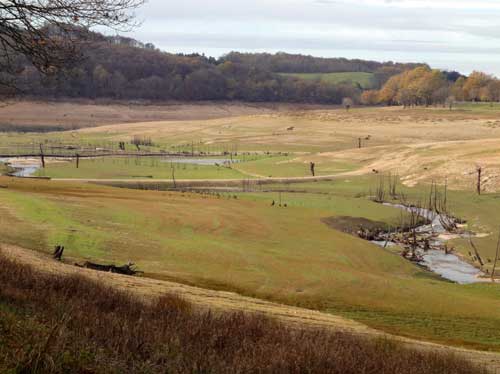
(448, 266)
(24, 167)
(199, 161)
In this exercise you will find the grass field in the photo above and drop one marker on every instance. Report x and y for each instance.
(158, 168)
(245, 245)
(479, 107)
(239, 242)
(144, 167)
(365, 80)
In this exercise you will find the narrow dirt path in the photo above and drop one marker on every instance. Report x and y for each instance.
(228, 301)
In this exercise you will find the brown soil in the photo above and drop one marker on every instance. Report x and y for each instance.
(351, 225)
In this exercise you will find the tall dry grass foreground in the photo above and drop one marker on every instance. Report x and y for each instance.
(61, 324)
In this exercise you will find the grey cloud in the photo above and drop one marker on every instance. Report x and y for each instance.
(322, 26)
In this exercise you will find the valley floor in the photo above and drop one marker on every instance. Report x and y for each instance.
(251, 228)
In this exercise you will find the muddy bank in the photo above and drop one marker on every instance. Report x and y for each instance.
(353, 225)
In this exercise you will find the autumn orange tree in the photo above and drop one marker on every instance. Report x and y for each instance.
(420, 86)
(425, 86)
(475, 87)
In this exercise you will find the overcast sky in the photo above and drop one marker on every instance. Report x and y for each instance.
(450, 34)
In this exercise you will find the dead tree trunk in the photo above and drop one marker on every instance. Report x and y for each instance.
(359, 143)
(58, 252)
(496, 259)
(77, 160)
(312, 169)
(128, 269)
(173, 176)
(42, 158)
(479, 173)
(476, 252)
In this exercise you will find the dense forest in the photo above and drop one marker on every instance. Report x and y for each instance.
(123, 68)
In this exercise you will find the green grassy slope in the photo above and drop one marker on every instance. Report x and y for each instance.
(245, 245)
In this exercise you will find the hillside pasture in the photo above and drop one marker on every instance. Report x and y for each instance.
(244, 244)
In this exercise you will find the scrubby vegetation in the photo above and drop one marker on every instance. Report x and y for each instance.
(60, 324)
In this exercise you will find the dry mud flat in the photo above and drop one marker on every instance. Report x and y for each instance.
(228, 301)
(55, 115)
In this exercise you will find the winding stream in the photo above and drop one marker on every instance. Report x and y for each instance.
(448, 266)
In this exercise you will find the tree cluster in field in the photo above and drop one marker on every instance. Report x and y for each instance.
(123, 68)
(425, 86)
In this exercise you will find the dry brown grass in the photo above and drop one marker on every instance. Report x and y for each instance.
(223, 302)
(320, 128)
(57, 324)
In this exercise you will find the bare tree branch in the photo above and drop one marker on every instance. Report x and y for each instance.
(49, 33)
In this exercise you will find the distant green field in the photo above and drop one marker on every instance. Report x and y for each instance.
(366, 80)
(479, 107)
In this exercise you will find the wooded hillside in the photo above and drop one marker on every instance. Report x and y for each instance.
(123, 68)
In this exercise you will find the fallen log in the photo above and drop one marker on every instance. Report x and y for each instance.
(128, 269)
